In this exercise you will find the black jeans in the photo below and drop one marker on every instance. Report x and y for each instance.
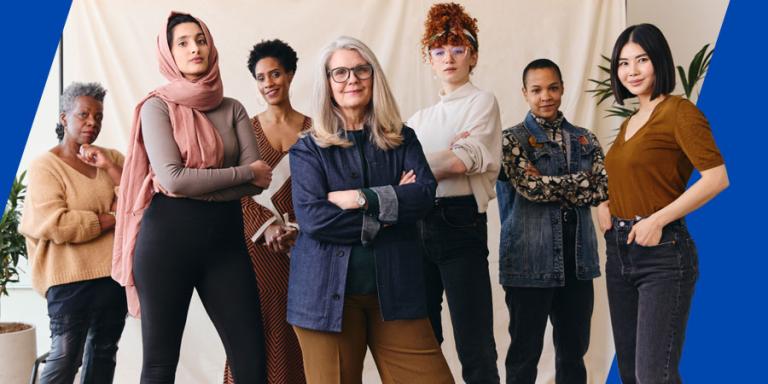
(649, 294)
(569, 308)
(184, 245)
(454, 236)
(86, 337)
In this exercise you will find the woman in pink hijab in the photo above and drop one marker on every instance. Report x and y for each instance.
(192, 155)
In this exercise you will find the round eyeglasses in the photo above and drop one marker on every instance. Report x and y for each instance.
(455, 52)
(341, 74)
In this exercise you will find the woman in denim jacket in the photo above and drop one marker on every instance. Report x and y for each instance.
(360, 184)
(553, 172)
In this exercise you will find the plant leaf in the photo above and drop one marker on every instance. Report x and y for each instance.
(694, 70)
(12, 243)
(684, 80)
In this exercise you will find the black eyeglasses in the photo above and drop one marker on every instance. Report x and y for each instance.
(341, 74)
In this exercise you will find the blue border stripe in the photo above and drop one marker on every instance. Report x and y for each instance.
(30, 33)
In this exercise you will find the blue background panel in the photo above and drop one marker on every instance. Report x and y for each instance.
(30, 32)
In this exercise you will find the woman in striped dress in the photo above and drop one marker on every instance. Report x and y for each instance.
(270, 228)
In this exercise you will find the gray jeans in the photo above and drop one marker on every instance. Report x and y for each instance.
(649, 294)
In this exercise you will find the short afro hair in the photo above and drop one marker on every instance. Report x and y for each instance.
(277, 49)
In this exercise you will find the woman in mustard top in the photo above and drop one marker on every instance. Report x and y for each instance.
(652, 264)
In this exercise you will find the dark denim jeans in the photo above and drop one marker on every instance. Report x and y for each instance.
(89, 338)
(569, 308)
(455, 239)
(649, 294)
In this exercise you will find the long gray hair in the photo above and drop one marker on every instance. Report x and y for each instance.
(382, 114)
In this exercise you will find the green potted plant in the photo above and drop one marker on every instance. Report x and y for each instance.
(12, 244)
(16, 339)
(602, 88)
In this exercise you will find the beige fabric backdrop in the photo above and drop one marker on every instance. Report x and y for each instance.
(113, 42)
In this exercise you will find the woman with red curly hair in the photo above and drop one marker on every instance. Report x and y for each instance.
(461, 136)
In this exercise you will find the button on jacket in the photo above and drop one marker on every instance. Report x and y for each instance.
(320, 257)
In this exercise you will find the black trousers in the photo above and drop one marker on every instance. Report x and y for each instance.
(569, 308)
(88, 338)
(455, 240)
(187, 244)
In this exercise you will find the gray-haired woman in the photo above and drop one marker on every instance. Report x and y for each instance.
(356, 277)
(68, 221)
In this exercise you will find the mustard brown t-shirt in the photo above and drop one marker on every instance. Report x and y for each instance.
(652, 168)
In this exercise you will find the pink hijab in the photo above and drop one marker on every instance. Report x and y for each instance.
(198, 140)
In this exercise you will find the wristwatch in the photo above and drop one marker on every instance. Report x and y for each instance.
(361, 200)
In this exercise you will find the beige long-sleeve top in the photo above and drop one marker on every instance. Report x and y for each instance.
(466, 109)
(61, 225)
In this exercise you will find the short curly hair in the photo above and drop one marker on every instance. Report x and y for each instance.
(70, 95)
(276, 48)
(448, 24)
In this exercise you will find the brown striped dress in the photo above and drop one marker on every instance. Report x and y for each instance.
(284, 362)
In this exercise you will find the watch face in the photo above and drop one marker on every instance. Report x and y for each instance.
(361, 199)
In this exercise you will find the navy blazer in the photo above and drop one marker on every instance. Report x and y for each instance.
(320, 257)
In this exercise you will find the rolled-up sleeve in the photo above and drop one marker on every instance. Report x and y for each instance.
(480, 151)
(387, 200)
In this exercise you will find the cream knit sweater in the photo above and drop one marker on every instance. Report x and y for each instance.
(60, 222)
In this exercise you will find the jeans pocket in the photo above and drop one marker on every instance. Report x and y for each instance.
(669, 238)
(661, 244)
(670, 259)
